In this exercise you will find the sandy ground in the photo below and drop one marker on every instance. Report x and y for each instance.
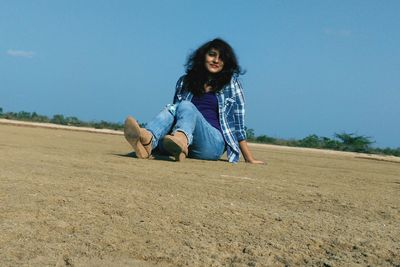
(71, 198)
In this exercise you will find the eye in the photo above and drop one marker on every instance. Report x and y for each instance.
(212, 53)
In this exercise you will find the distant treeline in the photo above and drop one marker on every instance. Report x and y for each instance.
(341, 141)
(59, 119)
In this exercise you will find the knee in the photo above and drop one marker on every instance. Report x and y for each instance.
(185, 106)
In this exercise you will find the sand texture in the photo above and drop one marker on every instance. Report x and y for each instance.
(71, 198)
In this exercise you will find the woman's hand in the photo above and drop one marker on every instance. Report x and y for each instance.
(254, 161)
(248, 156)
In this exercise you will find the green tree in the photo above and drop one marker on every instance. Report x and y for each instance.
(313, 141)
(34, 115)
(265, 139)
(73, 121)
(250, 133)
(352, 142)
(58, 119)
(330, 143)
(39, 118)
(23, 115)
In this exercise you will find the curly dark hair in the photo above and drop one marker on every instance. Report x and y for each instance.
(197, 75)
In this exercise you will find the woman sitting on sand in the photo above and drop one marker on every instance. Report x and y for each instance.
(207, 114)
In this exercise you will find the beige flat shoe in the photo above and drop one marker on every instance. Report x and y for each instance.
(134, 134)
(176, 145)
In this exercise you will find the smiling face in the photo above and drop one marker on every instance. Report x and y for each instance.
(213, 61)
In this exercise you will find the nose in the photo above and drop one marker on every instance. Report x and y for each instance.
(216, 59)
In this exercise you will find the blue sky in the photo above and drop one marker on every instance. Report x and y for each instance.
(313, 67)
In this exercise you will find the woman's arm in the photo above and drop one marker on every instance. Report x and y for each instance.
(248, 156)
(178, 89)
(239, 125)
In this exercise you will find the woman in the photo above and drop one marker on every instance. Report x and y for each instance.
(207, 115)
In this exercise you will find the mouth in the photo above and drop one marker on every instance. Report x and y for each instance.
(214, 66)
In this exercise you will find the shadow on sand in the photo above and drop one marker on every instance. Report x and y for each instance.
(155, 156)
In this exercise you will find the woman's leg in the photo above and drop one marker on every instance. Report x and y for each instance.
(205, 142)
(161, 125)
(208, 142)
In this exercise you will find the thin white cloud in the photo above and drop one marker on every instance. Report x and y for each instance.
(337, 33)
(20, 53)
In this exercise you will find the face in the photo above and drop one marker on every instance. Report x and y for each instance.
(213, 61)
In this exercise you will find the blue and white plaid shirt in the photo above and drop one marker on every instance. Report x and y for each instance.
(231, 113)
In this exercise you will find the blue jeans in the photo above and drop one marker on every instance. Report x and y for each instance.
(205, 141)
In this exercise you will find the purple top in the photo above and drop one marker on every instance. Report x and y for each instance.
(207, 104)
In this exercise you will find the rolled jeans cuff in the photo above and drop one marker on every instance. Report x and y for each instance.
(188, 136)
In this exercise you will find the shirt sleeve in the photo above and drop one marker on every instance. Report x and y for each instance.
(178, 88)
(239, 111)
